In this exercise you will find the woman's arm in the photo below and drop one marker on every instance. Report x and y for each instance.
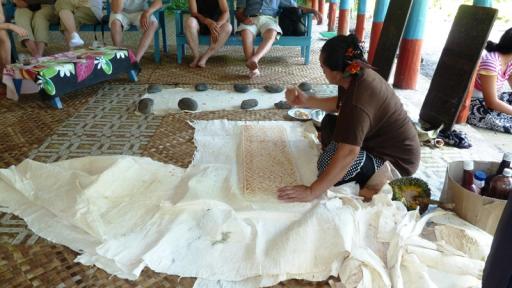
(296, 97)
(20, 3)
(343, 158)
(15, 28)
(192, 6)
(488, 83)
(224, 9)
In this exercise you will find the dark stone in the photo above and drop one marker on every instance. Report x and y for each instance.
(282, 105)
(145, 105)
(273, 88)
(154, 88)
(241, 88)
(188, 104)
(249, 103)
(201, 87)
(305, 86)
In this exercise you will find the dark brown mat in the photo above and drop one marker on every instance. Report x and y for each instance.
(458, 61)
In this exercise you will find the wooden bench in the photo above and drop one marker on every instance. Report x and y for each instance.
(159, 14)
(235, 40)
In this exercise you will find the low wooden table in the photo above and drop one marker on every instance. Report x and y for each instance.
(56, 75)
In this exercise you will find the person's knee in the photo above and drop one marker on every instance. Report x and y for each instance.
(116, 25)
(227, 27)
(246, 34)
(192, 23)
(269, 34)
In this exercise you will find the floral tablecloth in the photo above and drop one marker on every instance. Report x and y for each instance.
(65, 72)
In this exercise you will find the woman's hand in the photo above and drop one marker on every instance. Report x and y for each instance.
(297, 193)
(248, 21)
(144, 21)
(295, 96)
(20, 3)
(214, 29)
(18, 30)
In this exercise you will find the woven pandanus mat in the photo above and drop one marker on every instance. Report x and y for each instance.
(173, 142)
(282, 65)
(27, 123)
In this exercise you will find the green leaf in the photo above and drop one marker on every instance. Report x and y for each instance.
(109, 55)
(107, 67)
(48, 86)
(49, 72)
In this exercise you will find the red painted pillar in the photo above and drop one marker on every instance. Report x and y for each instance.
(321, 6)
(361, 17)
(331, 16)
(379, 14)
(409, 59)
(344, 17)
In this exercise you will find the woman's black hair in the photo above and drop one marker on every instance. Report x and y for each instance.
(504, 46)
(334, 52)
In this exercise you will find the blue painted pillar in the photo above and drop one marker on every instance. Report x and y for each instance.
(379, 14)
(483, 3)
(344, 17)
(361, 16)
(408, 64)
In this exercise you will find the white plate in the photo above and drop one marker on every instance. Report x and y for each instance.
(301, 113)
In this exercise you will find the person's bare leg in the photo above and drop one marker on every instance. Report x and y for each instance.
(145, 40)
(268, 39)
(31, 46)
(248, 46)
(192, 34)
(225, 31)
(40, 48)
(5, 58)
(382, 176)
(116, 33)
(68, 21)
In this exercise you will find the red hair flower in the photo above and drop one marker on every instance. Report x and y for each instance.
(352, 69)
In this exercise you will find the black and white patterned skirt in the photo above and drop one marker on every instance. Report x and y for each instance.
(483, 117)
(363, 167)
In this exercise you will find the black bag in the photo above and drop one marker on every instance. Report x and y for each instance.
(291, 22)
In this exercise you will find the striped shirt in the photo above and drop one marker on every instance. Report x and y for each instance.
(491, 65)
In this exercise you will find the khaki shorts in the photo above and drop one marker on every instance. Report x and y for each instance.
(261, 24)
(83, 14)
(128, 19)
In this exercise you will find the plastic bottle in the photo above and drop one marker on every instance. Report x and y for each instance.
(505, 163)
(467, 176)
(501, 185)
(479, 179)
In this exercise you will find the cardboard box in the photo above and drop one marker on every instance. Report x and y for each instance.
(483, 212)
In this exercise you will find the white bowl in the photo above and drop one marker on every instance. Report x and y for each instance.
(317, 116)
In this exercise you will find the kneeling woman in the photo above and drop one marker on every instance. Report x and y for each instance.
(371, 127)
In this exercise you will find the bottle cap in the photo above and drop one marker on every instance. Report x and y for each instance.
(468, 165)
(480, 175)
(507, 156)
(507, 172)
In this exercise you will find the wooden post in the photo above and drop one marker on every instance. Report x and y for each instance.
(344, 17)
(361, 17)
(381, 7)
(409, 60)
(331, 15)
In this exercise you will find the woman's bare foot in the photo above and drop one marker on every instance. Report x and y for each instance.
(254, 73)
(202, 62)
(193, 64)
(252, 64)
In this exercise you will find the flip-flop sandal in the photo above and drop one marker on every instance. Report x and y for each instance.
(455, 138)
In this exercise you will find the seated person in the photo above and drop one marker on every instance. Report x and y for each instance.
(208, 17)
(260, 17)
(35, 17)
(74, 13)
(371, 127)
(134, 12)
(5, 44)
(491, 106)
